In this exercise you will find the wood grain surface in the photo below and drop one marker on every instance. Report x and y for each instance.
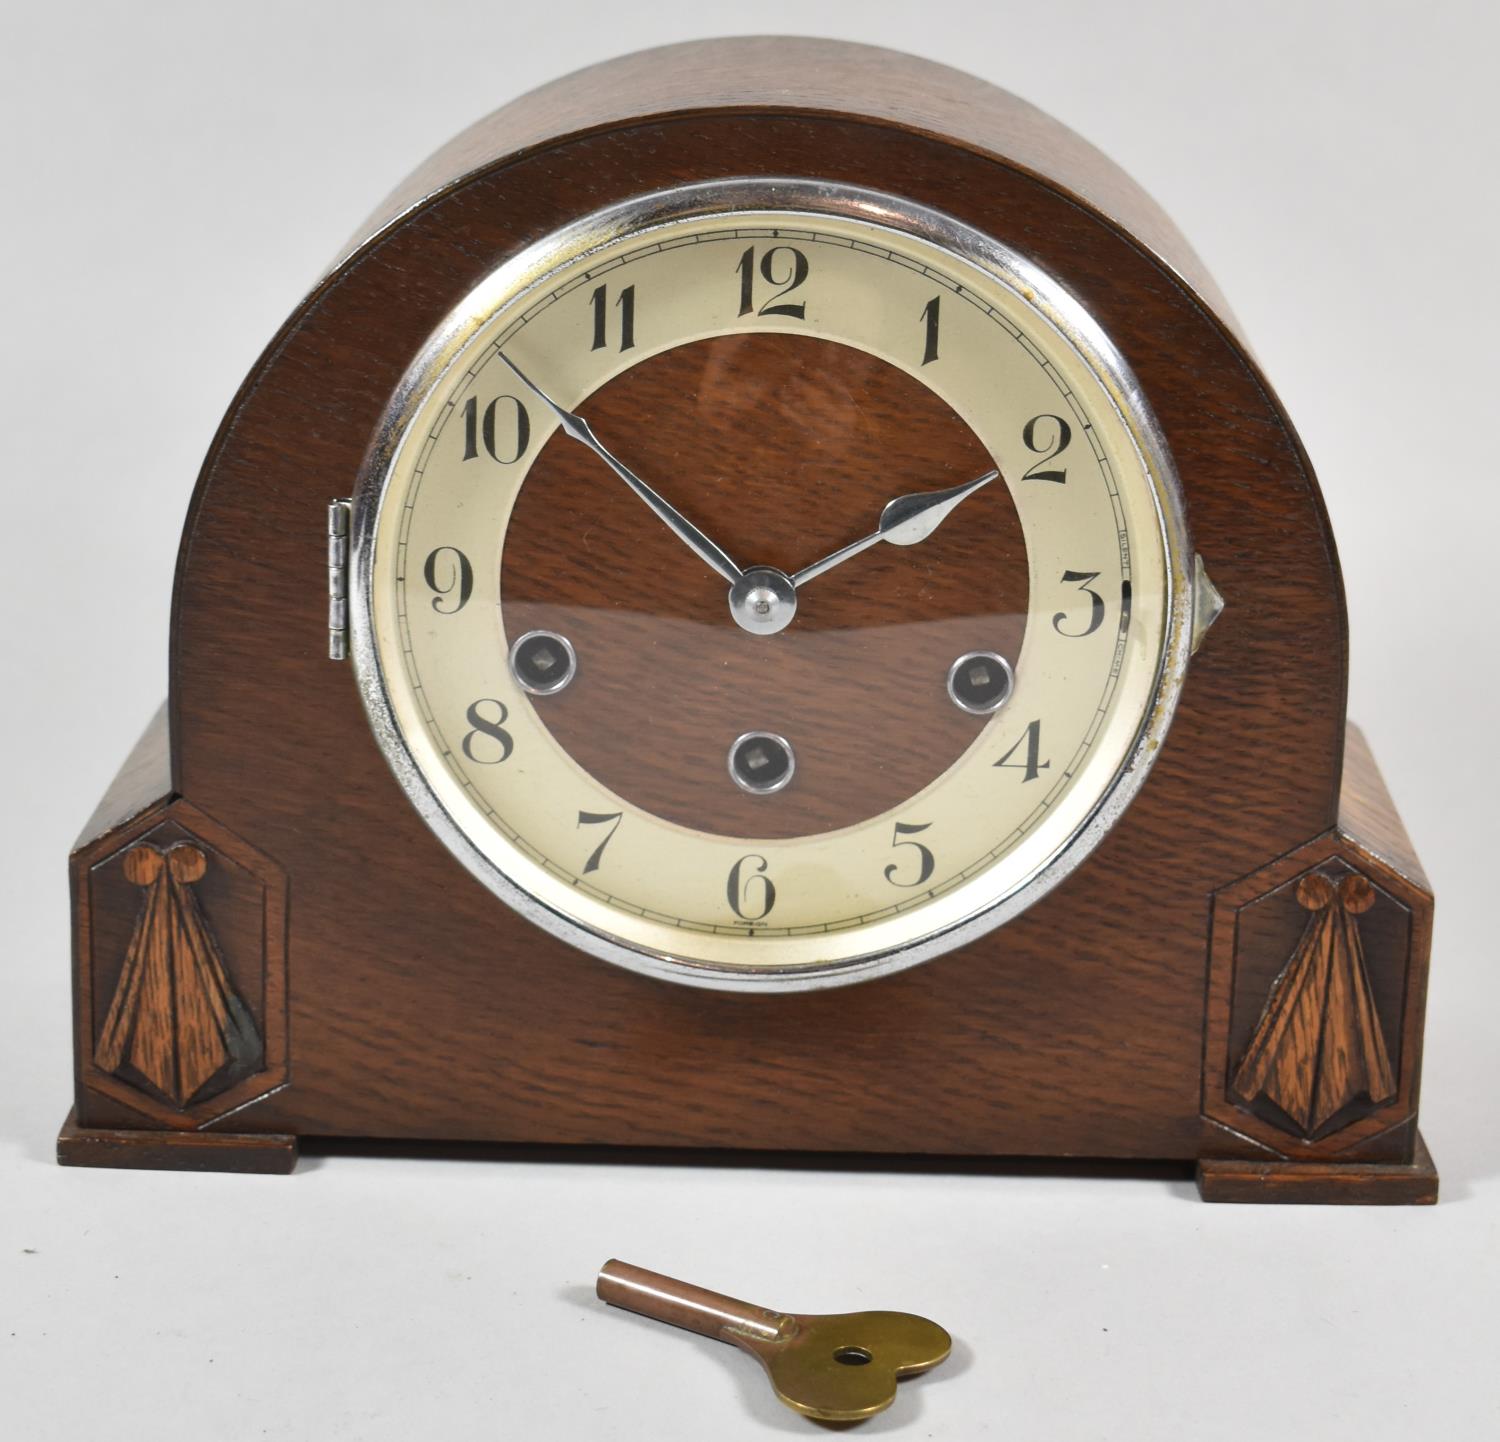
(1392, 1184)
(421, 1007)
(787, 75)
(858, 684)
(256, 1152)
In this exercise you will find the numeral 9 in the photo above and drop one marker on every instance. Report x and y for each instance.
(460, 577)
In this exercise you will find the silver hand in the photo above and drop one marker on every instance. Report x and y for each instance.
(579, 430)
(904, 522)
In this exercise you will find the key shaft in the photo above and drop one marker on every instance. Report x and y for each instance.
(665, 1299)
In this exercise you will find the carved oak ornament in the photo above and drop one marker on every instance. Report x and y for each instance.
(1318, 1048)
(180, 983)
(176, 1020)
(770, 489)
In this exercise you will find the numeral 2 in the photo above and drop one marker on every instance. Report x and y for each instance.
(1029, 437)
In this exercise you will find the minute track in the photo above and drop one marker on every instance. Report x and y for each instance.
(860, 918)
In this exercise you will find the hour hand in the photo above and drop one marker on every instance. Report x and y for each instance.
(904, 521)
(578, 429)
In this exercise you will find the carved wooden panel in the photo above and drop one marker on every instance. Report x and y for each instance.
(1318, 968)
(1318, 1050)
(181, 1011)
(175, 1022)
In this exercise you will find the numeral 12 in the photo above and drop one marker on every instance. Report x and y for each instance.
(795, 272)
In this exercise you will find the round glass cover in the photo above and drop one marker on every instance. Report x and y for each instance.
(769, 584)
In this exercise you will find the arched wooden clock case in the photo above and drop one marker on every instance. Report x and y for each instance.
(271, 945)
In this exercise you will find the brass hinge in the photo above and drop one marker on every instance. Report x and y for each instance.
(338, 580)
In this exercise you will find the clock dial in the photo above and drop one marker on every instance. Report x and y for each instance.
(768, 592)
(790, 446)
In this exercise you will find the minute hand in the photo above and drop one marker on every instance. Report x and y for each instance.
(903, 522)
(579, 430)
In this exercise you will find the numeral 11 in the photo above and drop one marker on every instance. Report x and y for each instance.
(626, 302)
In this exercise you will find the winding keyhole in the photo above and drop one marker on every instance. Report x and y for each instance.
(852, 1356)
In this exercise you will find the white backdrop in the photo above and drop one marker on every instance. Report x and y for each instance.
(174, 176)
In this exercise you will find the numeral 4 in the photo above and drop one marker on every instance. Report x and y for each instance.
(1032, 765)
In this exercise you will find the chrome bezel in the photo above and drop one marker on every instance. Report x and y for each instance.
(1046, 296)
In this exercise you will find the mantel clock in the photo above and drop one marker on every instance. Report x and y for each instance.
(826, 642)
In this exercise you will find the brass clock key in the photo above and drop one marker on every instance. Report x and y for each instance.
(837, 1368)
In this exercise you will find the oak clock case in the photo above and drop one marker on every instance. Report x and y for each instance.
(1197, 949)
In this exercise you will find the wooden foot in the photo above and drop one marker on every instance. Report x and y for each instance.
(267, 1152)
(1322, 1182)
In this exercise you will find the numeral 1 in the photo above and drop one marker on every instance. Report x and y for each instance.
(930, 313)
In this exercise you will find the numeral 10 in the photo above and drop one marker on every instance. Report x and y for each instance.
(480, 426)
